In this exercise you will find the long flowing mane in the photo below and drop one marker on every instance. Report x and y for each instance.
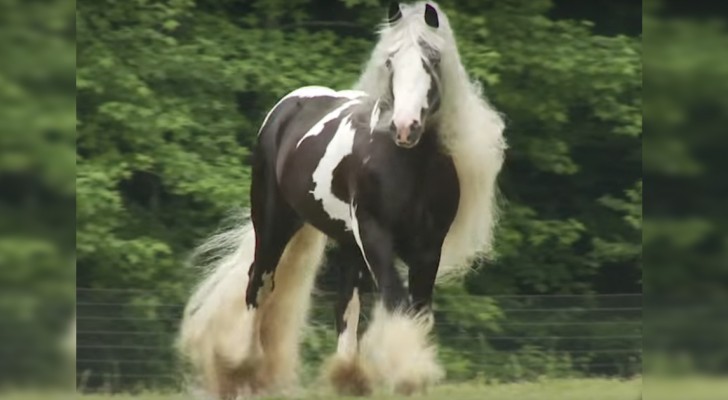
(470, 130)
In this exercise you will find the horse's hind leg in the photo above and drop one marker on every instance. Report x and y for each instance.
(284, 306)
(280, 281)
(275, 223)
(344, 369)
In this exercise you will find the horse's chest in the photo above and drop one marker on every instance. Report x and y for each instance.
(418, 197)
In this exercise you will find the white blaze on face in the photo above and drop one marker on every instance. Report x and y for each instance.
(410, 85)
(340, 146)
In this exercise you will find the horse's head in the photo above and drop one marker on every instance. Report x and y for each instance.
(414, 74)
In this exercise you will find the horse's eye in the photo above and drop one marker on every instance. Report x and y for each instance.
(388, 63)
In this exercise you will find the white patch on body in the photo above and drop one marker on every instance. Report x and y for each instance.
(350, 94)
(340, 146)
(313, 91)
(265, 288)
(374, 119)
(319, 126)
(357, 237)
(347, 343)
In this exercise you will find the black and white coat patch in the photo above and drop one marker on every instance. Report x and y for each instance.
(336, 162)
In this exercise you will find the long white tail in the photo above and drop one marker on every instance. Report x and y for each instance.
(236, 350)
(211, 325)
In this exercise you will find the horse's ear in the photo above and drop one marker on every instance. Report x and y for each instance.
(394, 12)
(431, 17)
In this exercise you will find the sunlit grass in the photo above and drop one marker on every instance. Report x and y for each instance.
(566, 389)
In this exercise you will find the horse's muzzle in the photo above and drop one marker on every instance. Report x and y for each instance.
(407, 136)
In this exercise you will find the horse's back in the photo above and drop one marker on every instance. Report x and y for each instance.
(296, 115)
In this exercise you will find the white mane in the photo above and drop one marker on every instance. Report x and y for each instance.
(471, 131)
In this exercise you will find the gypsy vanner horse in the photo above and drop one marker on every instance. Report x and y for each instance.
(401, 169)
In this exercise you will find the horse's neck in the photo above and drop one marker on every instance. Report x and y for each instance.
(431, 141)
(362, 113)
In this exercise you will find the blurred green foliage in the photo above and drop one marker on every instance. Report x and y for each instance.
(686, 226)
(37, 167)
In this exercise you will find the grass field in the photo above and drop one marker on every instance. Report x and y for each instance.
(571, 389)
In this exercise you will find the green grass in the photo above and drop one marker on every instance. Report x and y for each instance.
(567, 389)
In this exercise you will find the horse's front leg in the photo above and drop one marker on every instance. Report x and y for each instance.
(376, 244)
(423, 265)
(396, 347)
(344, 369)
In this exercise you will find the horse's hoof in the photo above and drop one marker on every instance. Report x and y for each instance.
(349, 377)
(407, 388)
(399, 351)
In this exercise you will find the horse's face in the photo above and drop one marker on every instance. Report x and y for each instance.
(414, 73)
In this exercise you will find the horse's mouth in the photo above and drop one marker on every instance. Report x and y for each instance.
(407, 145)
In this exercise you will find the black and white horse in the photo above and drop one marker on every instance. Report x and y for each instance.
(402, 168)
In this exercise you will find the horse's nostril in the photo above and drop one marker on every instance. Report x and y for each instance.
(415, 126)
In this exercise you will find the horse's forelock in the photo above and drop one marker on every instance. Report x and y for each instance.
(464, 109)
(410, 31)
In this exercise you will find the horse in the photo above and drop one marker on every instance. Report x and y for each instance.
(402, 167)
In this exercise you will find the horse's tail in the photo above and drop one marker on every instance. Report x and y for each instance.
(222, 338)
(211, 325)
